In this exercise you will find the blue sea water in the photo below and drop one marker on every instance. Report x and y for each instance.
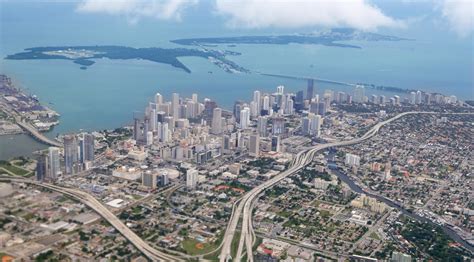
(107, 94)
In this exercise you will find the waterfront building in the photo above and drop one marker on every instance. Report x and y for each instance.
(352, 160)
(359, 94)
(310, 90)
(70, 154)
(258, 102)
(42, 167)
(54, 166)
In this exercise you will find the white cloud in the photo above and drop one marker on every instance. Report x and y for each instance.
(460, 15)
(136, 9)
(301, 13)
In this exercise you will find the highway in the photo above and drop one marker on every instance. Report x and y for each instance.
(302, 159)
(150, 252)
(37, 134)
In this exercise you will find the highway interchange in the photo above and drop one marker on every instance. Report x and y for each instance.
(241, 209)
(247, 233)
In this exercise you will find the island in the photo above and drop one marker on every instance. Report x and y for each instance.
(327, 38)
(85, 55)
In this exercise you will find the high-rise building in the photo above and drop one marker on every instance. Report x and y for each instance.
(158, 99)
(216, 121)
(42, 167)
(54, 167)
(194, 98)
(86, 146)
(245, 118)
(359, 94)
(275, 143)
(262, 125)
(238, 105)
(163, 132)
(254, 145)
(310, 90)
(191, 178)
(412, 98)
(266, 103)
(352, 160)
(163, 179)
(299, 101)
(278, 125)
(70, 154)
(258, 102)
(280, 90)
(316, 122)
(418, 96)
(149, 179)
(322, 108)
(175, 105)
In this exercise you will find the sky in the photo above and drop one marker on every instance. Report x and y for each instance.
(453, 15)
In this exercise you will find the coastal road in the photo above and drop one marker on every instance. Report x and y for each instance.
(150, 252)
(302, 159)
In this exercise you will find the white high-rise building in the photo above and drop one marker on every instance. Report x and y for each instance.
(412, 98)
(254, 145)
(175, 105)
(163, 132)
(245, 118)
(289, 107)
(194, 97)
(315, 125)
(53, 157)
(158, 99)
(280, 90)
(352, 160)
(191, 178)
(253, 109)
(418, 97)
(262, 125)
(258, 102)
(217, 121)
(359, 94)
(266, 103)
(153, 119)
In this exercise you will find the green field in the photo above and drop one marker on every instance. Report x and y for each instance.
(13, 169)
(194, 247)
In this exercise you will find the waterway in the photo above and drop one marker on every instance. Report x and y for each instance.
(356, 188)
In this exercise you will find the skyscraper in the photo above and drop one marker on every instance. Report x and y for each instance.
(258, 102)
(70, 154)
(310, 90)
(175, 106)
(54, 168)
(245, 118)
(359, 94)
(280, 90)
(262, 125)
(158, 99)
(275, 143)
(42, 165)
(191, 178)
(87, 147)
(254, 145)
(216, 121)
